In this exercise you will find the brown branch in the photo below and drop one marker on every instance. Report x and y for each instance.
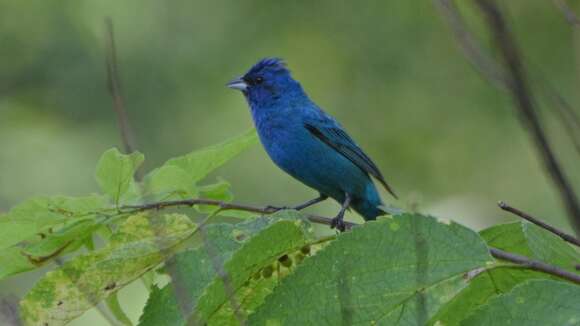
(497, 253)
(535, 265)
(223, 206)
(526, 107)
(114, 86)
(566, 237)
(490, 69)
(567, 12)
(481, 61)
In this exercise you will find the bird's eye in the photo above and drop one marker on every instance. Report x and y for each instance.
(259, 80)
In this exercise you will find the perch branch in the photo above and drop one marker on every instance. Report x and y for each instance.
(222, 206)
(526, 109)
(497, 253)
(566, 237)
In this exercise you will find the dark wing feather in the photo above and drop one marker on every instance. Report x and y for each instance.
(342, 143)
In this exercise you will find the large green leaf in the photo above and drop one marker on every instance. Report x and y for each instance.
(115, 173)
(394, 271)
(140, 244)
(237, 265)
(536, 302)
(37, 215)
(521, 238)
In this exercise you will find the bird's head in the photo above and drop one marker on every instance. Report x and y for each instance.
(266, 82)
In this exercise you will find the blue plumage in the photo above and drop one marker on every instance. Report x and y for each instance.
(307, 143)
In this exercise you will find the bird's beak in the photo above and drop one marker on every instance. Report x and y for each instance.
(238, 84)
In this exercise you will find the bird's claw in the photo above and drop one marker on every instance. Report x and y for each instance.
(338, 223)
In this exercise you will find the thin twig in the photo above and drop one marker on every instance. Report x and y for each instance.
(114, 86)
(566, 114)
(479, 59)
(526, 107)
(223, 206)
(492, 71)
(535, 265)
(566, 237)
(568, 13)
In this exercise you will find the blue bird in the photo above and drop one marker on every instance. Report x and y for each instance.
(309, 144)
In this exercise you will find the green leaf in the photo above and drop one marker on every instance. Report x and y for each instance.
(37, 215)
(217, 191)
(537, 302)
(57, 241)
(242, 252)
(191, 272)
(200, 163)
(141, 243)
(232, 290)
(522, 238)
(398, 270)
(169, 182)
(115, 173)
(12, 261)
(117, 311)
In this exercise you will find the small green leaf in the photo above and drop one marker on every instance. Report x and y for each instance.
(115, 173)
(396, 271)
(217, 191)
(117, 311)
(200, 163)
(140, 244)
(169, 182)
(536, 302)
(12, 261)
(56, 241)
(37, 215)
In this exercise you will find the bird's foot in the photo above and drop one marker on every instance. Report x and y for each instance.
(274, 209)
(338, 223)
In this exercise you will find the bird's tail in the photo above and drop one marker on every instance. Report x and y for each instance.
(369, 206)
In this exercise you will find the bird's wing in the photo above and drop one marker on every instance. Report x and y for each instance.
(341, 142)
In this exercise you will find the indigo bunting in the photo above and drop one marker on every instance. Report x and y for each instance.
(309, 144)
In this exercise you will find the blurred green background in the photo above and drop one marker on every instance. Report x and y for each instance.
(390, 71)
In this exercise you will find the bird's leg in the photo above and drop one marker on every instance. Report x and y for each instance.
(338, 221)
(298, 207)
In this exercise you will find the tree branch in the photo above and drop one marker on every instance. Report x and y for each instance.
(222, 206)
(497, 253)
(564, 236)
(567, 12)
(481, 61)
(535, 265)
(114, 86)
(526, 107)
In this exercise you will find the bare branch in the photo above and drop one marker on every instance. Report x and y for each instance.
(114, 85)
(568, 13)
(566, 114)
(492, 71)
(535, 265)
(482, 62)
(497, 253)
(223, 206)
(526, 107)
(566, 237)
